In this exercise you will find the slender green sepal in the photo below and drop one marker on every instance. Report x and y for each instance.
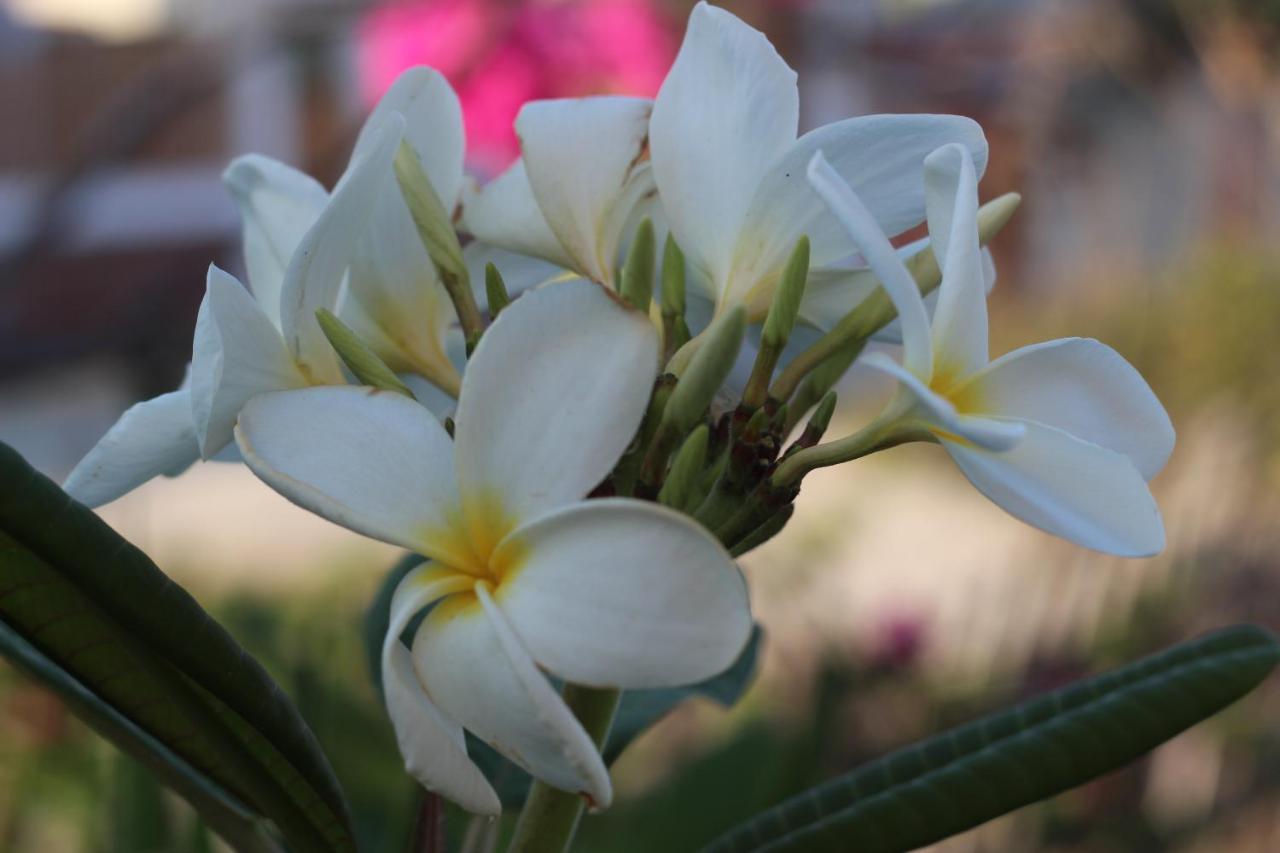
(959, 779)
(785, 308)
(675, 329)
(876, 311)
(362, 361)
(818, 423)
(682, 479)
(495, 290)
(673, 283)
(637, 273)
(627, 471)
(821, 380)
(435, 229)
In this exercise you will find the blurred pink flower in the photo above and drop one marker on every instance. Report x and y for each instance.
(499, 54)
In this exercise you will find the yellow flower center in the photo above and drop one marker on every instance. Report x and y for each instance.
(473, 536)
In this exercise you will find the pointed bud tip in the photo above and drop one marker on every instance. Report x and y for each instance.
(995, 215)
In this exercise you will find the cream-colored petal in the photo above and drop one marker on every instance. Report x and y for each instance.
(433, 127)
(314, 277)
(278, 204)
(624, 593)
(237, 355)
(552, 396)
(372, 461)
(728, 110)
(960, 319)
(1070, 488)
(475, 668)
(1082, 387)
(505, 213)
(867, 238)
(581, 156)
(153, 438)
(431, 743)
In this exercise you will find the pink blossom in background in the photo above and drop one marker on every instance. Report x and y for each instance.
(499, 54)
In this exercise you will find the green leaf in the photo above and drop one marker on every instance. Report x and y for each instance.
(233, 820)
(959, 779)
(99, 619)
(638, 711)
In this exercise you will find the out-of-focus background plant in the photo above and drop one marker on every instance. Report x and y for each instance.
(1145, 137)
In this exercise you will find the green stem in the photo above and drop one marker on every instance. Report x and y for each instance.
(889, 430)
(550, 816)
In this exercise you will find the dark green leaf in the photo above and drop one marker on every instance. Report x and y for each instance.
(234, 821)
(98, 610)
(965, 777)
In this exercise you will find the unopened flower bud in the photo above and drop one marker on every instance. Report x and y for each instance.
(363, 363)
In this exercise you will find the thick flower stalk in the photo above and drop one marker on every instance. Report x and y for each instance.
(1063, 435)
(521, 574)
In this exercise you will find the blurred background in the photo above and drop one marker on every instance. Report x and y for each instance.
(1143, 135)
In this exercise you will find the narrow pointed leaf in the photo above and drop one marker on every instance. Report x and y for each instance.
(98, 610)
(962, 778)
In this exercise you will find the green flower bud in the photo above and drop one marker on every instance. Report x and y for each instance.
(707, 371)
(637, 273)
(786, 299)
(673, 303)
(435, 229)
(682, 480)
(363, 363)
(495, 291)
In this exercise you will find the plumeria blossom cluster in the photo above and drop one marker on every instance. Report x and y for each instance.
(531, 384)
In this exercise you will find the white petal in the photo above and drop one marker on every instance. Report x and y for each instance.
(505, 213)
(727, 111)
(277, 205)
(581, 156)
(623, 593)
(832, 292)
(986, 432)
(432, 745)
(891, 333)
(395, 283)
(875, 247)
(433, 127)
(552, 396)
(1083, 387)
(372, 461)
(960, 320)
(880, 157)
(1070, 488)
(238, 354)
(152, 438)
(475, 668)
(314, 276)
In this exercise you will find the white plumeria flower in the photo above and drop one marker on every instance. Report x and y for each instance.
(524, 574)
(1063, 435)
(392, 296)
(578, 189)
(730, 170)
(390, 293)
(239, 344)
